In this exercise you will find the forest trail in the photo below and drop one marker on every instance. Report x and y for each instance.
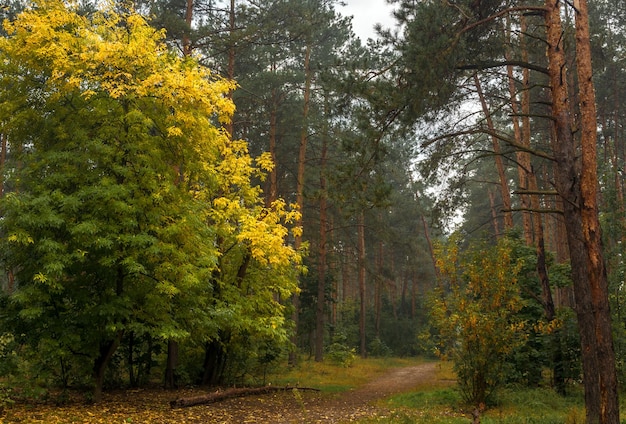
(286, 407)
(308, 407)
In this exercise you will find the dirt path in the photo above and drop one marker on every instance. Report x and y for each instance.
(287, 408)
(304, 407)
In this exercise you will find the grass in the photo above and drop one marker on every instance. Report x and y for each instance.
(512, 406)
(332, 378)
(434, 403)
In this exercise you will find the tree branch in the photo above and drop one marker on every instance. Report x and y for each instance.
(495, 64)
(536, 210)
(507, 140)
(536, 192)
(504, 12)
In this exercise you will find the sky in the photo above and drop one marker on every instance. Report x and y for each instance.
(366, 14)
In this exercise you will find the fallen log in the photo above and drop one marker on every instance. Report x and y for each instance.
(232, 393)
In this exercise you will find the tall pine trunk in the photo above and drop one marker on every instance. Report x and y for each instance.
(362, 299)
(304, 137)
(576, 182)
(320, 307)
(503, 183)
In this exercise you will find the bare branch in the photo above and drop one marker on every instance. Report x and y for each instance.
(537, 192)
(495, 64)
(509, 141)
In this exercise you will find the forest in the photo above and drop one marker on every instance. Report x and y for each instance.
(201, 193)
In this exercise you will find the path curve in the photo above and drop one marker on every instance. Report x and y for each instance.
(288, 408)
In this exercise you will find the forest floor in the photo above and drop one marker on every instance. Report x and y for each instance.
(152, 405)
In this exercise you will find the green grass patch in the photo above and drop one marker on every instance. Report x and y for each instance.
(511, 406)
(332, 378)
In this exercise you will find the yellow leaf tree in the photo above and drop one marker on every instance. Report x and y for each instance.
(131, 212)
(474, 311)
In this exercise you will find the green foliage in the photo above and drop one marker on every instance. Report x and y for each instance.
(378, 348)
(474, 310)
(133, 213)
(339, 352)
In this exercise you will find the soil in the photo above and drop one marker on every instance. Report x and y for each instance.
(287, 407)
(312, 407)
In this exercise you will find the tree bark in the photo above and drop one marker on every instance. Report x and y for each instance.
(304, 137)
(320, 307)
(504, 186)
(494, 213)
(378, 289)
(272, 191)
(522, 137)
(171, 364)
(229, 126)
(592, 234)
(105, 353)
(361, 262)
(187, 47)
(576, 182)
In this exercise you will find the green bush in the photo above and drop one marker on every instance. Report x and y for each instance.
(339, 353)
(378, 348)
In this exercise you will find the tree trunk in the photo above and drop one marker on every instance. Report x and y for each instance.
(187, 47)
(304, 137)
(577, 184)
(105, 353)
(504, 186)
(378, 289)
(3, 159)
(361, 262)
(521, 133)
(231, 394)
(171, 364)
(320, 309)
(229, 126)
(272, 191)
(609, 406)
(431, 249)
(494, 213)
(214, 362)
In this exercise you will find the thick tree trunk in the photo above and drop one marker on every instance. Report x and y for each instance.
(577, 184)
(609, 405)
(105, 353)
(171, 364)
(214, 363)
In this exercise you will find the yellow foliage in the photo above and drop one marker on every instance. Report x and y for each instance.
(118, 66)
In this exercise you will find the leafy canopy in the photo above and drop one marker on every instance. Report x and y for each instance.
(124, 188)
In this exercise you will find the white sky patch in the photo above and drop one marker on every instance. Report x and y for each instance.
(366, 14)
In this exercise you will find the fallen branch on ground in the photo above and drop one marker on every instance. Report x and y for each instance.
(232, 393)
